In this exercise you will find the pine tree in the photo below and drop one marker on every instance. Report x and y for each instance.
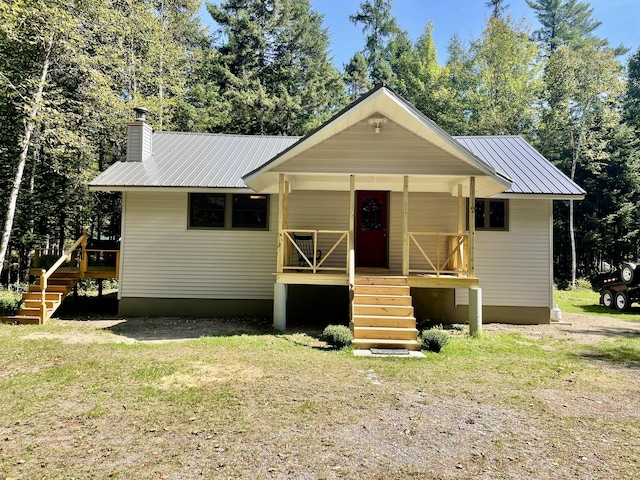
(564, 22)
(632, 97)
(379, 26)
(459, 82)
(356, 77)
(418, 74)
(497, 7)
(274, 68)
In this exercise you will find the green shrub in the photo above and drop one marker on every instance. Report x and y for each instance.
(9, 302)
(337, 336)
(434, 339)
(583, 284)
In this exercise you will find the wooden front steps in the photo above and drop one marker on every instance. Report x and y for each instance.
(59, 285)
(383, 313)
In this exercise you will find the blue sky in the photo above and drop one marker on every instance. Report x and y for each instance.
(466, 18)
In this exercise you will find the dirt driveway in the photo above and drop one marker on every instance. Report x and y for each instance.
(275, 408)
(575, 327)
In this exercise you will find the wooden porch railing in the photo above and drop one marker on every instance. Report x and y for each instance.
(310, 259)
(45, 274)
(448, 259)
(79, 264)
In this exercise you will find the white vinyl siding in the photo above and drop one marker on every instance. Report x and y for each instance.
(163, 259)
(514, 267)
(395, 150)
(311, 210)
(428, 212)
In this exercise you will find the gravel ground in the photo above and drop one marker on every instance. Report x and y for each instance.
(575, 327)
(413, 433)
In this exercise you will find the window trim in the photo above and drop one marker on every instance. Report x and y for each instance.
(228, 213)
(487, 206)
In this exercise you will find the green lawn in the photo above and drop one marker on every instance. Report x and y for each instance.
(81, 401)
(586, 301)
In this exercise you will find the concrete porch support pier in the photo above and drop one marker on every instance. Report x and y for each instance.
(475, 311)
(280, 306)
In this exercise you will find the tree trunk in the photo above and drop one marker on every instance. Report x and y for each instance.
(29, 125)
(572, 234)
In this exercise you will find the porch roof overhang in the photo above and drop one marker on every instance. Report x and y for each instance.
(485, 186)
(406, 144)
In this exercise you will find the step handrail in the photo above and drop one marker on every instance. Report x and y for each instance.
(45, 274)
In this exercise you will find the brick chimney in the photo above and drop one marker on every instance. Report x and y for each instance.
(139, 135)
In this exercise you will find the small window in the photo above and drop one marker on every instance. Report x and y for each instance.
(250, 211)
(207, 210)
(492, 214)
(226, 210)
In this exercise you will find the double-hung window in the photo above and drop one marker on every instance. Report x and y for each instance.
(492, 214)
(229, 211)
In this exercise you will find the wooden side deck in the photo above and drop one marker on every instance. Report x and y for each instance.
(93, 272)
(57, 273)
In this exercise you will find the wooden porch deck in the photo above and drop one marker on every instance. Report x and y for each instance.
(414, 280)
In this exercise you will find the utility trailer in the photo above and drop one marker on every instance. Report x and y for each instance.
(620, 288)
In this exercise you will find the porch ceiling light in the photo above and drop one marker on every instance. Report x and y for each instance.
(377, 122)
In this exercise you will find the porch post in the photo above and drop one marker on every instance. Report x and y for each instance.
(460, 208)
(280, 289)
(280, 251)
(405, 227)
(472, 227)
(285, 224)
(460, 256)
(475, 311)
(351, 258)
(280, 306)
(475, 294)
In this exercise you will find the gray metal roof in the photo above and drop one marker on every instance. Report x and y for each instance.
(217, 160)
(530, 171)
(195, 160)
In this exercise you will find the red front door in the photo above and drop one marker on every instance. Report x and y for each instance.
(371, 229)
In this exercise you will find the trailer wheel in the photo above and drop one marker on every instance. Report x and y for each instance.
(622, 301)
(628, 273)
(606, 298)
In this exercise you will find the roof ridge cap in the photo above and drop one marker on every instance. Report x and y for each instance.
(216, 134)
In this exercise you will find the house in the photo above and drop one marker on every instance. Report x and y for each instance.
(404, 222)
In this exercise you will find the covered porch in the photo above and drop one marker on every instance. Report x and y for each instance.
(387, 199)
(438, 259)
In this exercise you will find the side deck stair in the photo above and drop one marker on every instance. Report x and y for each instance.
(383, 313)
(59, 285)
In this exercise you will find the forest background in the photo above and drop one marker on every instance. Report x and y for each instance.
(71, 72)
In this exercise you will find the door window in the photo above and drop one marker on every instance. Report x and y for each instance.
(371, 215)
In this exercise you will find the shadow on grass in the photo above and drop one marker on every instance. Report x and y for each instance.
(610, 312)
(105, 309)
(152, 329)
(173, 328)
(618, 353)
(86, 307)
(631, 315)
(610, 332)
